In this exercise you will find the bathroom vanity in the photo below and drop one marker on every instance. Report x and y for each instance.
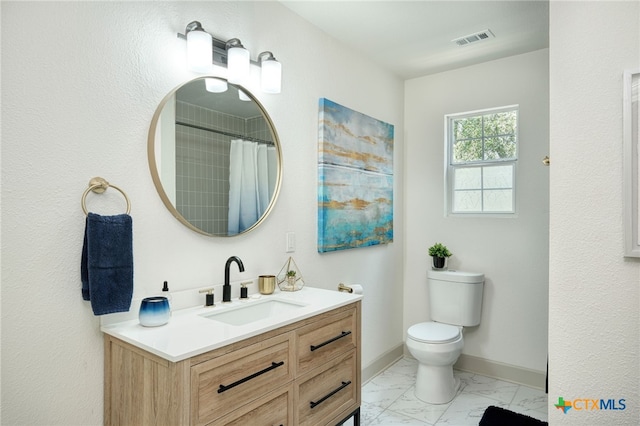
(296, 367)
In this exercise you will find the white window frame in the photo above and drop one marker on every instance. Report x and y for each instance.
(450, 167)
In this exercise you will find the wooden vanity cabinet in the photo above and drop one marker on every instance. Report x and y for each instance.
(275, 408)
(306, 373)
(328, 394)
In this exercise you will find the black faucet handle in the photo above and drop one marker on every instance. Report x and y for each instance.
(244, 291)
(209, 296)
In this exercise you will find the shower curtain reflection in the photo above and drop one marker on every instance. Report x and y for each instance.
(252, 177)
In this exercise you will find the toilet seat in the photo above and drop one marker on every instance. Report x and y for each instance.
(434, 332)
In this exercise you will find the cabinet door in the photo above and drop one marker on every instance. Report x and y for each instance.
(327, 338)
(329, 393)
(141, 388)
(274, 409)
(228, 382)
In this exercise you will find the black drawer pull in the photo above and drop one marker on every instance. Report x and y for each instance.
(223, 388)
(333, 392)
(344, 333)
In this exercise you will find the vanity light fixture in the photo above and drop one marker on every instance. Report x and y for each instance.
(204, 51)
(215, 85)
(243, 96)
(271, 75)
(199, 53)
(238, 62)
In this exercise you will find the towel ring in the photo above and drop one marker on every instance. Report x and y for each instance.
(99, 185)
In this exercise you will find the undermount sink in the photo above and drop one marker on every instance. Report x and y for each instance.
(253, 311)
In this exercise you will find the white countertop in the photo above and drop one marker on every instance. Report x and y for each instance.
(189, 333)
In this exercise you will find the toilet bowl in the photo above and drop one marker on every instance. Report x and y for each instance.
(436, 347)
(455, 300)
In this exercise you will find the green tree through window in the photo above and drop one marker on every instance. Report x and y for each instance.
(485, 137)
(482, 150)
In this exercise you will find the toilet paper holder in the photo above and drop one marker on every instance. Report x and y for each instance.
(345, 288)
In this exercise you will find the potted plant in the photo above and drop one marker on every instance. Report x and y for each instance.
(439, 252)
(291, 277)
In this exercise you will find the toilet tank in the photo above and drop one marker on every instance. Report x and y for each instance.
(455, 297)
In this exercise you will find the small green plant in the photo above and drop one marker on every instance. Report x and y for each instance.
(439, 250)
(291, 273)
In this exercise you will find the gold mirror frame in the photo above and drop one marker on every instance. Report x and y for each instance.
(155, 175)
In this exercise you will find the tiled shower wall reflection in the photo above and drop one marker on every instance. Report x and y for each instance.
(202, 163)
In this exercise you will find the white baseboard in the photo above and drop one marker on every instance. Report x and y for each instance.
(382, 362)
(498, 370)
(472, 364)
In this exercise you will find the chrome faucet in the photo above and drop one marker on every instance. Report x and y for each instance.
(226, 289)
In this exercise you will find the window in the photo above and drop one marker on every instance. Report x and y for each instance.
(482, 150)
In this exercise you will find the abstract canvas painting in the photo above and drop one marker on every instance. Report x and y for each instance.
(355, 179)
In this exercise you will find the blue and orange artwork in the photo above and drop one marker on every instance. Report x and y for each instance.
(355, 179)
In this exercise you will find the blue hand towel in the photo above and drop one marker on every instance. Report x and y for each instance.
(107, 263)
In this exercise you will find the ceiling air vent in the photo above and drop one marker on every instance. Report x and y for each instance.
(472, 38)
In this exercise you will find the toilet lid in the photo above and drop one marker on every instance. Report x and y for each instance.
(433, 332)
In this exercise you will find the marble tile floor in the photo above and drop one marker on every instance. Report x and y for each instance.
(388, 399)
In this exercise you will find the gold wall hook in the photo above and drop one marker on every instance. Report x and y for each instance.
(546, 160)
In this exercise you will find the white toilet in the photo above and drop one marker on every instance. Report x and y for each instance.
(455, 301)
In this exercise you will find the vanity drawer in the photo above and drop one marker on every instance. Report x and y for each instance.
(325, 339)
(333, 391)
(223, 384)
(275, 408)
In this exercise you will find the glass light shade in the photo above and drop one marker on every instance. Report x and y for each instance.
(271, 76)
(199, 51)
(215, 85)
(243, 96)
(238, 63)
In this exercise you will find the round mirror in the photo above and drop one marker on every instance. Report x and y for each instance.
(215, 157)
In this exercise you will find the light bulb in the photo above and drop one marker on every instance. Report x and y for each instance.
(199, 51)
(215, 85)
(271, 76)
(243, 96)
(238, 63)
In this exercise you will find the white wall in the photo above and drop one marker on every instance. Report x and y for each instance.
(593, 289)
(511, 252)
(80, 84)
